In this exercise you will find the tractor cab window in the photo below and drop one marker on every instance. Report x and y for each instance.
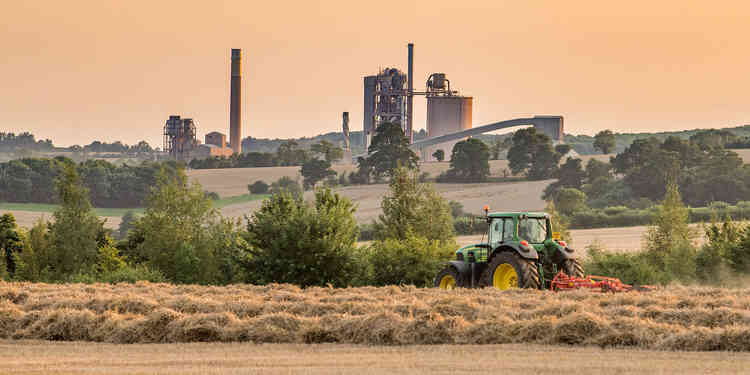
(496, 233)
(501, 230)
(533, 230)
(510, 230)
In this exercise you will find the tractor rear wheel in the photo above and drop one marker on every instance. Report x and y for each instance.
(448, 279)
(508, 270)
(572, 268)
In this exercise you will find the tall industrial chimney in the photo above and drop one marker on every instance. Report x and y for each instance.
(410, 96)
(235, 103)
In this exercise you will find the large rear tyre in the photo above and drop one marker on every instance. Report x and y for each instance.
(572, 268)
(448, 279)
(508, 270)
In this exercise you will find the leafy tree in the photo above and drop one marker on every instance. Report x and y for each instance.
(604, 141)
(469, 161)
(570, 200)
(413, 208)
(389, 149)
(571, 174)
(717, 254)
(183, 237)
(713, 138)
(413, 260)
(532, 153)
(126, 224)
(294, 242)
(286, 184)
(545, 163)
(597, 169)
(10, 244)
(289, 154)
(258, 187)
(500, 145)
(439, 154)
(330, 152)
(669, 242)
(76, 233)
(363, 173)
(314, 171)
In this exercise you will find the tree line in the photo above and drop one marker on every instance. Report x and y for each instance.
(181, 238)
(32, 180)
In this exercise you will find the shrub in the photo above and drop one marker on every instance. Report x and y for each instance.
(212, 195)
(258, 187)
(294, 242)
(413, 207)
(631, 268)
(127, 274)
(570, 200)
(183, 237)
(615, 210)
(719, 206)
(286, 184)
(414, 260)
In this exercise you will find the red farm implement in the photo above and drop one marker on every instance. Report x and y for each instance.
(594, 283)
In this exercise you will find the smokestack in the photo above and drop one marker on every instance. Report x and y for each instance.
(410, 95)
(235, 102)
(345, 128)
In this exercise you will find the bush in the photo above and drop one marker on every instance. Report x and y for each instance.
(258, 187)
(294, 242)
(286, 184)
(616, 210)
(212, 195)
(631, 268)
(413, 260)
(127, 274)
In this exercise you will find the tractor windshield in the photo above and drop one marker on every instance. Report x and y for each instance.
(533, 230)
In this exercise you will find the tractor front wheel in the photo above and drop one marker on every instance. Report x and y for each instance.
(508, 270)
(448, 279)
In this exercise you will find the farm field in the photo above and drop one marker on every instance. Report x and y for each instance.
(234, 181)
(611, 239)
(44, 357)
(675, 318)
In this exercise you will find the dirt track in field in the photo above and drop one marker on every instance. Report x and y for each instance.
(44, 357)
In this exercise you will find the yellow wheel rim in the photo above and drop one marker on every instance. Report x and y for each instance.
(447, 282)
(505, 277)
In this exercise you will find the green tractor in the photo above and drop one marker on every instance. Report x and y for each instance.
(521, 251)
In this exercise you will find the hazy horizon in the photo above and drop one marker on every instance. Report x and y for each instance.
(79, 71)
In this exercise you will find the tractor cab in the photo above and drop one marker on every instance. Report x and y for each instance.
(521, 251)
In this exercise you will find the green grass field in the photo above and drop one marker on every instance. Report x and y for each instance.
(49, 208)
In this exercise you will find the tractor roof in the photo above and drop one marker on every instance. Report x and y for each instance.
(516, 214)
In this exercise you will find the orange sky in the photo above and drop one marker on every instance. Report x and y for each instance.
(75, 70)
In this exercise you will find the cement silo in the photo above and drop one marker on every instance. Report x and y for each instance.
(446, 113)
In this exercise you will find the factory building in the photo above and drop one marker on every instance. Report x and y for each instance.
(180, 138)
(389, 97)
(446, 115)
(215, 145)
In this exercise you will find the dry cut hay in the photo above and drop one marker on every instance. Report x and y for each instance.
(681, 318)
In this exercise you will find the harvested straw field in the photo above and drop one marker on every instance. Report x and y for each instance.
(46, 357)
(680, 318)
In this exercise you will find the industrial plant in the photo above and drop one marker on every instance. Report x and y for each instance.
(388, 97)
(180, 141)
